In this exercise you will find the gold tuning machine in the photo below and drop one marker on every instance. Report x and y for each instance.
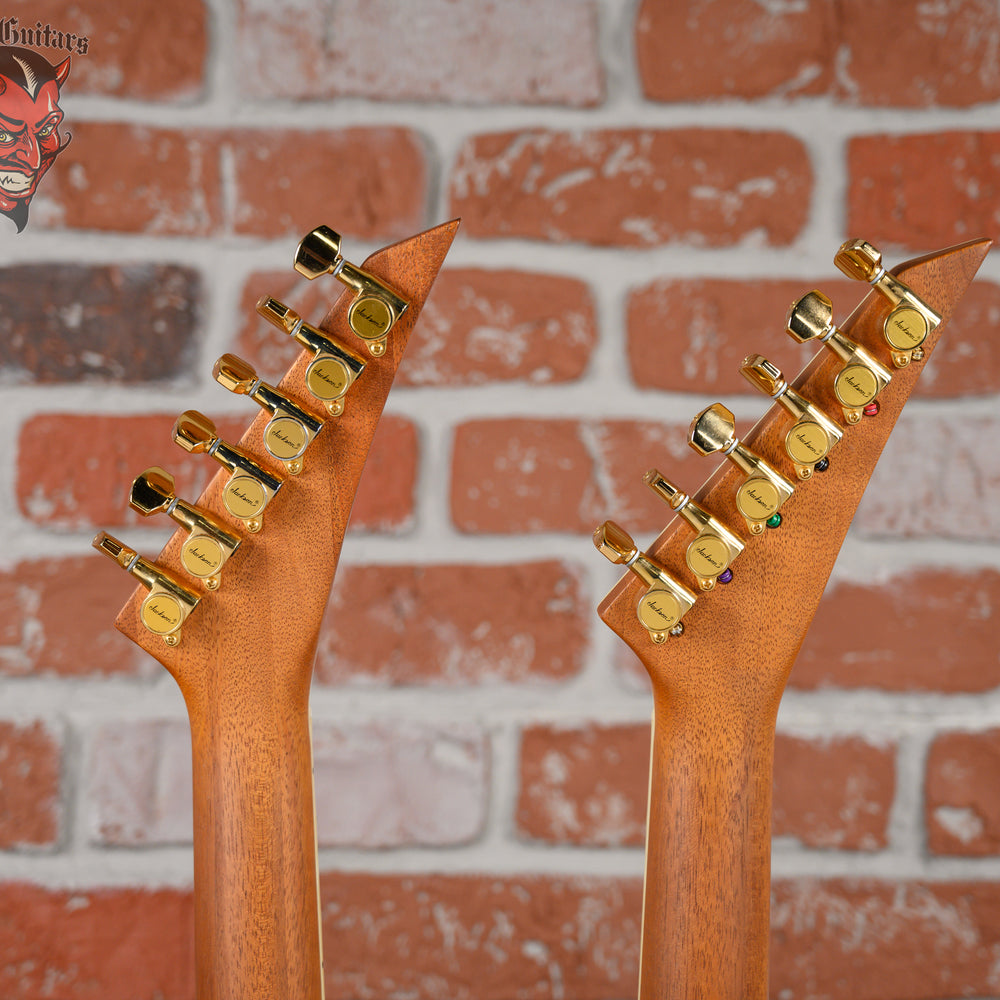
(208, 544)
(713, 550)
(762, 493)
(332, 372)
(290, 430)
(813, 435)
(666, 601)
(858, 384)
(169, 602)
(910, 319)
(376, 307)
(250, 488)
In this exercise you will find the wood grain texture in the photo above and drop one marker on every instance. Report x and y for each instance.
(244, 665)
(716, 689)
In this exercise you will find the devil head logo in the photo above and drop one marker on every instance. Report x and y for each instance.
(29, 126)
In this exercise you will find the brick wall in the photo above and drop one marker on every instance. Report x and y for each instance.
(644, 187)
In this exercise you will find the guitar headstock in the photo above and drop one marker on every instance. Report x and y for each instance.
(739, 640)
(257, 620)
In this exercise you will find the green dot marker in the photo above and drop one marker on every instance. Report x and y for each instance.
(773, 521)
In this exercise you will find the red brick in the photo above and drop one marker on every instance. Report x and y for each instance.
(56, 618)
(521, 475)
(632, 187)
(134, 179)
(691, 335)
(869, 940)
(368, 182)
(480, 937)
(69, 322)
(441, 624)
(377, 785)
(477, 327)
(96, 944)
(967, 361)
(588, 786)
(940, 54)
(734, 48)
(152, 53)
(924, 191)
(902, 634)
(497, 326)
(834, 792)
(928, 457)
(521, 52)
(57, 489)
(30, 809)
(961, 809)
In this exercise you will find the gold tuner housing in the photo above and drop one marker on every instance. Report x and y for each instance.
(334, 368)
(813, 435)
(666, 600)
(910, 319)
(376, 307)
(250, 488)
(714, 548)
(863, 378)
(761, 494)
(290, 430)
(208, 544)
(169, 602)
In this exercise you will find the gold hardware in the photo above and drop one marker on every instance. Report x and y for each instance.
(250, 488)
(863, 378)
(376, 307)
(208, 544)
(910, 319)
(332, 372)
(813, 435)
(290, 430)
(169, 602)
(666, 601)
(764, 490)
(714, 548)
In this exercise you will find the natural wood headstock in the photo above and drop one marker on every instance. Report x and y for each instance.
(268, 610)
(245, 657)
(740, 640)
(716, 687)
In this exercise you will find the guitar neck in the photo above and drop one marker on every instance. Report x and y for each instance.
(708, 855)
(717, 686)
(257, 920)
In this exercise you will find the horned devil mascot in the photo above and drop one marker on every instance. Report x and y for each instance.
(29, 126)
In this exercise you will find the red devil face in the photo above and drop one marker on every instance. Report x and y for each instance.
(29, 139)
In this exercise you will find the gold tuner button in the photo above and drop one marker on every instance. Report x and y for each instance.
(910, 319)
(711, 553)
(333, 369)
(813, 435)
(169, 602)
(208, 544)
(862, 379)
(762, 493)
(666, 601)
(376, 307)
(290, 430)
(250, 488)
